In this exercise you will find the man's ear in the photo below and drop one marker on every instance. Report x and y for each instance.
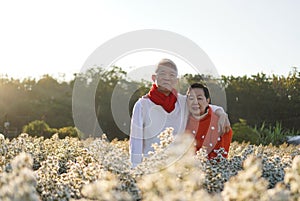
(153, 78)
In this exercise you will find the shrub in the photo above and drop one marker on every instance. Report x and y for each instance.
(263, 134)
(273, 134)
(244, 133)
(68, 131)
(39, 128)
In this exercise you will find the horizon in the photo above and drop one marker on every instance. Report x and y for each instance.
(63, 77)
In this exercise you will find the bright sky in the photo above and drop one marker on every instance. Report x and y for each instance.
(240, 37)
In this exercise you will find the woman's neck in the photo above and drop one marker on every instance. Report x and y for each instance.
(202, 115)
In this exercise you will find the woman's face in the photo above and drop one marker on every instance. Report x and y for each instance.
(197, 102)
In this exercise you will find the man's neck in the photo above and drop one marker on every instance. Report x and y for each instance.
(165, 92)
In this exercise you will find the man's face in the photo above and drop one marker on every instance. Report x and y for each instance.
(165, 78)
(197, 102)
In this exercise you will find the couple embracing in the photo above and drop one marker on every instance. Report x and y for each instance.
(163, 107)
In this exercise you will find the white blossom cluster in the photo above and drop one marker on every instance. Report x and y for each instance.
(36, 169)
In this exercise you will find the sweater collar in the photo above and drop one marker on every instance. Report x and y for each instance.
(204, 116)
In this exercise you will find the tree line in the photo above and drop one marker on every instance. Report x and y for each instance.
(258, 99)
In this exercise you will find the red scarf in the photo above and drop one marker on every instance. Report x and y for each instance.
(167, 102)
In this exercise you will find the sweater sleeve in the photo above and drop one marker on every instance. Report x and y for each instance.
(136, 135)
(227, 140)
(215, 107)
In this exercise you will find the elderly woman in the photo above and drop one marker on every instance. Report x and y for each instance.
(203, 122)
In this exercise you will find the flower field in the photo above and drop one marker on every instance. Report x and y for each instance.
(34, 168)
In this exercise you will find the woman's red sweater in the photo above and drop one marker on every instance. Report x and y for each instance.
(206, 134)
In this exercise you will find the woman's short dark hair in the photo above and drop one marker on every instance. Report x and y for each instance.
(200, 86)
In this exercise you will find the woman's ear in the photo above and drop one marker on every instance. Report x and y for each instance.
(208, 100)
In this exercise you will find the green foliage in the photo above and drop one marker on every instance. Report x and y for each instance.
(259, 99)
(264, 135)
(39, 128)
(27, 100)
(244, 133)
(270, 134)
(68, 131)
(275, 135)
(110, 82)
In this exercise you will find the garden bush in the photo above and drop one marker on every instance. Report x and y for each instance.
(68, 131)
(244, 133)
(264, 134)
(39, 128)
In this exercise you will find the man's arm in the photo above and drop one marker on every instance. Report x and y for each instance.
(224, 123)
(136, 135)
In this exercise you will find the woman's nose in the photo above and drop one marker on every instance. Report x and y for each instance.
(195, 102)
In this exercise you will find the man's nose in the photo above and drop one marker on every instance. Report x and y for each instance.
(167, 77)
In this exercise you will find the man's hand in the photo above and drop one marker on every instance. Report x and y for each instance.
(224, 123)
